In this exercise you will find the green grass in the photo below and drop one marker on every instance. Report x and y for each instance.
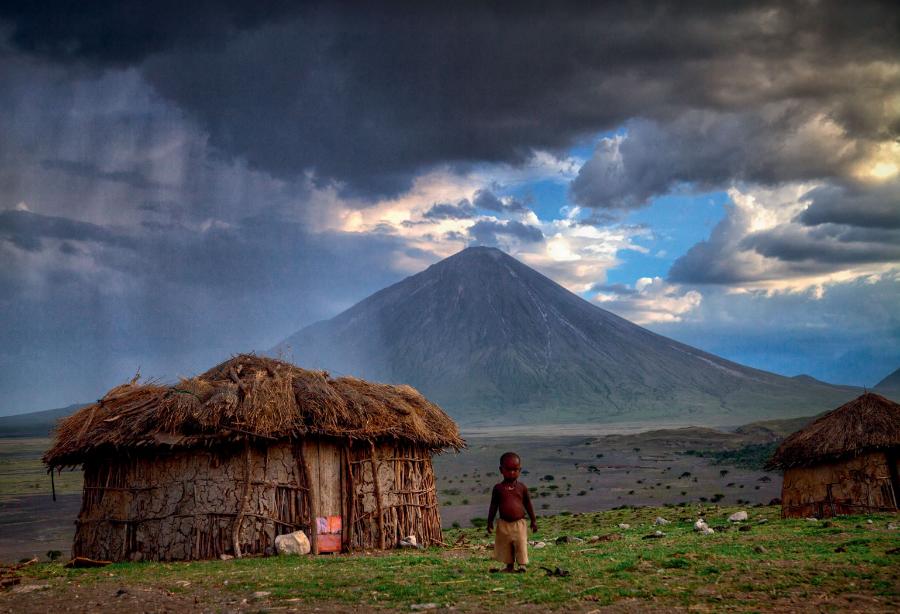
(22, 473)
(681, 569)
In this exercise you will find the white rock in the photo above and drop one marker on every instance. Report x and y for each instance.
(292, 543)
(661, 521)
(624, 526)
(659, 533)
(409, 541)
(869, 521)
(762, 521)
(891, 526)
(261, 594)
(738, 516)
(812, 519)
(707, 530)
(700, 525)
(539, 545)
(226, 557)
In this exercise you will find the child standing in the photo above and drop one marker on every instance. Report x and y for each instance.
(511, 498)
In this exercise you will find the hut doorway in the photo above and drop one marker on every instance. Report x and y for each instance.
(327, 474)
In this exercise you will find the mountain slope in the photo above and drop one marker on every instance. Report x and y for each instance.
(35, 424)
(890, 386)
(494, 341)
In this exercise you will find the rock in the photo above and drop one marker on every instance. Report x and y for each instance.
(654, 535)
(292, 543)
(760, 550)
(869, 521)
(762, 521)
(700, 525)
(609, 537)
(261, 594)
(225, 557)
(539, 545)
(744, 528)
(660, 521)
(423, 606)
(121, 592)
(410, 541)
(738, 516)
(707, 531)
(891, 526)
(569, 539)
(812, 519)
(624, 526)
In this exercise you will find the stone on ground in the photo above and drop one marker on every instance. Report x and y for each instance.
(292, 543)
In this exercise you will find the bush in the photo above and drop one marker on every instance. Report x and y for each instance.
(455, 524)
(548, 478)
(582, 493)
(676, 564)
(478, 522)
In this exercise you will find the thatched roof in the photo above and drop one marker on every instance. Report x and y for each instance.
(255, 397)
(867, 423)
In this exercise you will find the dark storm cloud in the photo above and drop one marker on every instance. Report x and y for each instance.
(132, 178)
(28, 230)
(708, 149)
(368, 95)
(485, 199)
(126, 31)
(488, 232)
(826, 245)
(445, 211)
(854, 205)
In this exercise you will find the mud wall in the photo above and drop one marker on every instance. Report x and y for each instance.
(852, 486)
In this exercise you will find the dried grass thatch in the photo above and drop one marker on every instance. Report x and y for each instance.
(867, 423)
(250, 396)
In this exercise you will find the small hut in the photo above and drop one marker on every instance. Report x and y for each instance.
(846, 462)
(225, 462)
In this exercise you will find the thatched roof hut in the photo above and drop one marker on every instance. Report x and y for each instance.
(224, 462)
(847, 461)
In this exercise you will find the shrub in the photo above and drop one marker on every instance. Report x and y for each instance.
(676, 564)
(478, 522)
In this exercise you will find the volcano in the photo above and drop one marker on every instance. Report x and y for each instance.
(495, 342)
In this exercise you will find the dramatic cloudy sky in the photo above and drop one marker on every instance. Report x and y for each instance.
(182, 181)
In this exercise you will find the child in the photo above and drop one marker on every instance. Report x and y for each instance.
(511, 497)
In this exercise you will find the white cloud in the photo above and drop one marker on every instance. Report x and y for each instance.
(652, 300)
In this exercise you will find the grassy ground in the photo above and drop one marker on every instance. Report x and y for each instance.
(841, 564)
(23, 474)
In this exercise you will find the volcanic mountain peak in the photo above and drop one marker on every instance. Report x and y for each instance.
(493, 340)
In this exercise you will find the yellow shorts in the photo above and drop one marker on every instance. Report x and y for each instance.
(511, 542)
